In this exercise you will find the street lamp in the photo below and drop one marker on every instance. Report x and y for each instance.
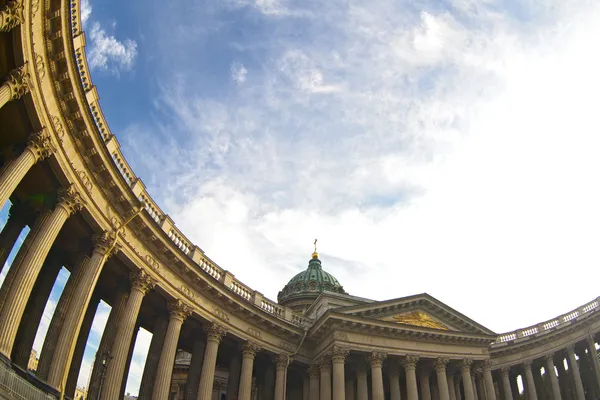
(106, 357)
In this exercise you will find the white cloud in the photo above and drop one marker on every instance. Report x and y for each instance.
(429, 151)
(238, 73)
(85, 11)
(108, 53)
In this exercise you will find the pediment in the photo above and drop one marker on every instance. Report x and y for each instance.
(422, 311)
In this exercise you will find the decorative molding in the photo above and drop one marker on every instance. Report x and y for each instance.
(85, 180)
(410, 362)
(221, 314)
(286, 346)
(215, 332)
(281, 361)
(376, 358)
(337, 335)
(339, 354)
(70, 199)
(105, 243)
(58, 127)
(249, 349)
(440, 364)
(39, 65)
(179, 310)
(152, 263)
(142, 281)
(253, 332)
(40, 144)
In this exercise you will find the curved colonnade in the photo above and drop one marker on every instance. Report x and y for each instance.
(67, 180)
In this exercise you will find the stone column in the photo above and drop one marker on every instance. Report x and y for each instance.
(281, 365)
(465, 372)
(376, 360)
(325, 385)
(442, 382)
(338, 358)
(233, 376)
(350, 394)
(214, 334)
(362, 389)
(595, 362)
(451, 389)
(15, 85)
(193, 380)
(249, 351)
(457, 387)
(410, 366)
(424, 383)
(529, 382)
(11, 231)
(506, 387)
(84, 333)
(39, 146)
(140, 285)
(58, 318)
(106, 343)
(178, 312)
(104, 247)
(313, 374)
(478, 383)
(394, 377)
(490, 391)
(34, 310)
(150, 368)
(574, 368)
(551, 373)
(69, 201)
(136, 330)
(11, 15)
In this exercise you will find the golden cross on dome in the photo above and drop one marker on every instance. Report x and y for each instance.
(315, 254)
(315, 245)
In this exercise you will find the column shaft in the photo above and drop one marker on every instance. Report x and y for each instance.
(506, 387)
(451, 389)
(65, 345)
(425, 387)
(214, 335)
(574, 368)
(20, 290)
(394, 377)
(10, 233)
(84, 333)
(411, 380)
(245, 387)
(529, 382)
(280, 377)
(178, 313)
(338, 360)
(313, 374)
(233, 378)
(56, 324)
(442, 382)
(325, 384)
(120, 348)
(595, 362)
(14, 172)
(34, 310)
(490, 391)
(376, 375)
(106, 343)
(16, 83)
(551, 374)
(156, 344)
(350, 394)
(362, 390)
(193, 379)
(465, 372)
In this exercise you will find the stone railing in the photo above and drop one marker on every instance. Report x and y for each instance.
(13, 386)
(549, 326)
(139, 191)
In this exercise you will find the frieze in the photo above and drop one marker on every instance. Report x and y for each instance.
(287, 346)
(187, 291)
(253, 332)
(35, 6)
(84, 179)
(340, 336)
(221, 314)
(58, 128)
(39, 65)
(152, 263)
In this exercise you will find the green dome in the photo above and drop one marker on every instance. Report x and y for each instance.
(310, 283)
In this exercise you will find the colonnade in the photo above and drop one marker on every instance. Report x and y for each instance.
(547, 377)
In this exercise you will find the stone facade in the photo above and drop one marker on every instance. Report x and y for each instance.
(64, 173)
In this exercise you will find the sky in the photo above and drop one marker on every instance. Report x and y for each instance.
(438, 146)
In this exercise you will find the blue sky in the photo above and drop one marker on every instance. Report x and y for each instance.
(445, 147)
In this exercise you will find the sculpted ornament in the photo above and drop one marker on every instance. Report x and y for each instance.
(440, 364)
(465, 364)
(18, 82)
(39, 65)
(221, 314)
(106, 243)
(11, 16)
(215, 332)
(376, 358)
(339, 354)
(410, 362)
(281, 361)
(249, 349)
(40, 145)
(179, 310)
(287, 346)
(313, 371)
(142, 281)
(253, 332)
(70, 199)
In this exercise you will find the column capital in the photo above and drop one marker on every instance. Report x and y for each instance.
(40, 144)
(215, 332)
(549, 356)
(141, 281)
(281, 362)
(11, 15)
(410, 362)
(570, 347)
(465, 364)
(325, 362)
(179, 310)
(487, 364)
(105, 243)
(504, 371)
(70, 199)
(249, 349)
(18, 82)
(440, 364)
(313, 371)
(376, 358)
(527, 364)
(339, 354)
